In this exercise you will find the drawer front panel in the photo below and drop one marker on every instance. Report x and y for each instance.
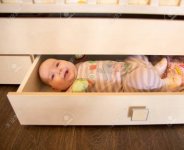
(91, 36)
(14, 68)
(96, 109)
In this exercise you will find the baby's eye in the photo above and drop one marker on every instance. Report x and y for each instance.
(57, 64)
(52, 77)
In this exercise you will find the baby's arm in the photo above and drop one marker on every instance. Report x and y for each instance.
(78, 64)
(161, 66)
(79, 58)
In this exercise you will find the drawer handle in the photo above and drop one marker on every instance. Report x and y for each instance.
(138, 113)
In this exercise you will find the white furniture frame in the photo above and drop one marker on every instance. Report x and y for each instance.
(59, 6)
(112, 36)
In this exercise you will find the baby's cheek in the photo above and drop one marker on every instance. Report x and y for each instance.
(73, 75)
(66, 83)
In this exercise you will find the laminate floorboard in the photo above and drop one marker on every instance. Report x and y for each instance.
(17, 137)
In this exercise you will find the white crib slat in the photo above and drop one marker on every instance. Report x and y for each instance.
(44, 1)
(123, 7)
(12, 1)
(169, 2)
(17, 1)
(91, 2)
(123, 2)
(76, 1)
(138, 2)
(154, 3)
(107, 2)
(60, 2)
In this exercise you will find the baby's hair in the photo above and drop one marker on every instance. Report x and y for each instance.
(39, 71)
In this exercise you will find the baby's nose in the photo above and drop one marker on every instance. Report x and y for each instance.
(59, 71)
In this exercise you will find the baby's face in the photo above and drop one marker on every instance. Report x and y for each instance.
(59, 74)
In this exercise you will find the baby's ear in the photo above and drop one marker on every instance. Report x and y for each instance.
(161, 66)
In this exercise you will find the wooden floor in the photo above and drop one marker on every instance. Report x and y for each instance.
(13, 136)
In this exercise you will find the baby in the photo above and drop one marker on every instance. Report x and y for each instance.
(134, 74)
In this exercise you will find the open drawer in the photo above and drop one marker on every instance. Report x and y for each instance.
(35, 104)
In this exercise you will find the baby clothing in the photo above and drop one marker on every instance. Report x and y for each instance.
(134, 74)
(144, 78)
(104, 76)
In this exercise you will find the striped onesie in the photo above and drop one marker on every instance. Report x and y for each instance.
(133, 74)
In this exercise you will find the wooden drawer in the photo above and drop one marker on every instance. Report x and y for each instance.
(34, 104)
(14, 68)
(91, 36)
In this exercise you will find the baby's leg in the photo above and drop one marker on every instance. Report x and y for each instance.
(161, 66)
(142, 79)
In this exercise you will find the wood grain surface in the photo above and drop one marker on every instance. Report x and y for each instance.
(17, 137)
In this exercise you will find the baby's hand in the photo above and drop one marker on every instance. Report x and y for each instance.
(79, 56)
(80, 85)
(161, 66)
